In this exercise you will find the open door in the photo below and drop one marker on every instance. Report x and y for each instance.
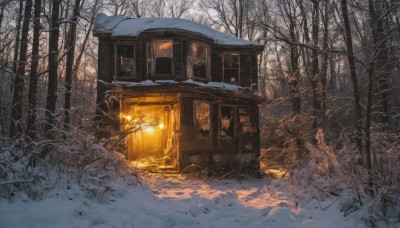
(152, 147)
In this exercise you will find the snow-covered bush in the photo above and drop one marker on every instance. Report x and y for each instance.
(320, 174)
(284, 136)
(72, 160)
(325, 172)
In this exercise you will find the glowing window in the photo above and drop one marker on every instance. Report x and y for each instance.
(162, 57)
(231, 67)
(125, 61)
(202, 118)
(197, 62)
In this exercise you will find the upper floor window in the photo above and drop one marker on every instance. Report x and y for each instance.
(162, 57)
(125, 61)
(197, 60)
(201, 116)
(231, 67)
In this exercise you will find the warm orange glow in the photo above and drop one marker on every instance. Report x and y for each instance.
(163, 48)
(165, 45)
(128, 118)
(149, 129)
(149, 141)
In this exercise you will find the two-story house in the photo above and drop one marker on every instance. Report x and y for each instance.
(187, 92)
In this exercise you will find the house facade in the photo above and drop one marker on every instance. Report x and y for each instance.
(187, 93)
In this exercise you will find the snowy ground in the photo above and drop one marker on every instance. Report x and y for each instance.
(174, 202)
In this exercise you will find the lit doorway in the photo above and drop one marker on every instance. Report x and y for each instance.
(153, 145)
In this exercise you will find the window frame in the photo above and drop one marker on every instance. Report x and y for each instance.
(246, 130)
(234, 107)
(190, 60)
(223, 68)
(195, 122)
(117, 67)
(154, 58)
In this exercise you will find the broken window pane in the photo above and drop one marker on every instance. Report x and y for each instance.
(245, 122)
(125, 63)
(163, 57)
(231, 67)
(202, 118)
(246, 129)
(197, 60)
(227, 121)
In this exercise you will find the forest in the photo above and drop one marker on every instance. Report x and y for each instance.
(329, 76)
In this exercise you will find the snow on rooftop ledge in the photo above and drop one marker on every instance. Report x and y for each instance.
(215, 85)
(219, 85)
(122, 26)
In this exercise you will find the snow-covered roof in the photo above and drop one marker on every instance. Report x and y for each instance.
(118, 26)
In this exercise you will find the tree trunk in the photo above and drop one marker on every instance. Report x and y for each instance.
(356, 91)
(381, 69)
(306, 52)
(17, 40)
(294, 80)
(377, 72)
(16, 113)
(53, 64)
(316, 78)
(324, 62)
(332, 83)
(71, 38)
(3, 5)
(368, 116)
(31, 128)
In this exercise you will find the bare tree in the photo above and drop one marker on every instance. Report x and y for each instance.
(18, 28)
(70, 43)
(325, 17)
(354, 80)
(138, 8)
(5, 38)
(16, 114)
(378, 68)
(53, 60)
(170, 8)
(31, 127)
(233, 16)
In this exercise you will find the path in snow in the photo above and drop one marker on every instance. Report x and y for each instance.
(246, 203)
(173, 202)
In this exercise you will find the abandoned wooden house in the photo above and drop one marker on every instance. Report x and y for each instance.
(188, 91)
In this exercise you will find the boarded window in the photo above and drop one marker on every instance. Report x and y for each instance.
(231, 67)
(162, 57)
(202, 118)
(125, 61)
(197, 60)
(227, 121)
